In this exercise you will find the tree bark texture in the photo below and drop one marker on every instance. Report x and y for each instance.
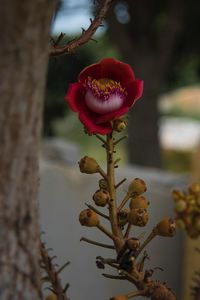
(23, 61)
(149, 51)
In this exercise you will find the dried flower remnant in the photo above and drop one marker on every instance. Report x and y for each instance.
(187, 208)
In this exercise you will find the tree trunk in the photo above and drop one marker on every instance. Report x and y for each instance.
(24, 54)
(150, 52)
(143, 142)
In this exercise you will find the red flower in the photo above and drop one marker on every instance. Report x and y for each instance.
(104, 92)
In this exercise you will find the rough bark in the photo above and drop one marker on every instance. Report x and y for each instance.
(23, 60)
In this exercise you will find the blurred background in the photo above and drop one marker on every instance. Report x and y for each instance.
(160, 40)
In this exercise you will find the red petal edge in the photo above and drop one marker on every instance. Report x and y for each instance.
(116, 70)
(88, 120)
(75, 96)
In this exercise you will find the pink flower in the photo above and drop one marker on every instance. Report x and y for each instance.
(104, 92)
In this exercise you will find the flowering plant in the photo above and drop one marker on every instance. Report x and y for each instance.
(105, 91)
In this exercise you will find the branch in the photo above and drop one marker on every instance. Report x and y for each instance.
(96, 243)
(86, 34)
(52, 274)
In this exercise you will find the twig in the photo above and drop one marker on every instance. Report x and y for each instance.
(128, 229)
(146, 242)
(100, 138)
(86, 34)
(52, 274)
(106, 231)
(63, 267)
(97, 211)
(118, 184)
(126, 198)
(121, 139)
(102, 173)
(96, 243)
(114, 276)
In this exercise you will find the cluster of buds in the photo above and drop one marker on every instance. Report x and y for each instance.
(187, 207)
(138, 204)
(131, 211)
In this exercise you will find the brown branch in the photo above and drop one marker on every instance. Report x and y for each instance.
(86, 34)
(97, 243)
(52, 274)
(97, 211)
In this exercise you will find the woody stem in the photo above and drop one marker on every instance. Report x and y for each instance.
(151, 236)
(112, 190)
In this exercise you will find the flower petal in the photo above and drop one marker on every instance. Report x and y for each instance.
(112, 115)
(109, 68)
(116, 70)
(75, 96)
(93, 71)
(134, 90)
(89, 121)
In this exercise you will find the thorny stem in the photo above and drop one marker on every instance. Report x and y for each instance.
(52, 274)
(97, 243)
(86, 34)
(111, 186)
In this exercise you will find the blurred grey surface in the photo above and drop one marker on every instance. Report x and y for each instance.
(63, 192)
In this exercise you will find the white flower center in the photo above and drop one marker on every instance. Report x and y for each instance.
(100, 106)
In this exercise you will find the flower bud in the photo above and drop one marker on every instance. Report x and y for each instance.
(133, 244)
(194, 188)
(103, 184)
(166, 227)
(180, 206)
(101, 197)
(138, 217)
(139, 202)
(51, 296)
(119, 297)
(119, 125)
(88, 165)
(123, 216)
(137, 187)
(177, 195)
(88, 217)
